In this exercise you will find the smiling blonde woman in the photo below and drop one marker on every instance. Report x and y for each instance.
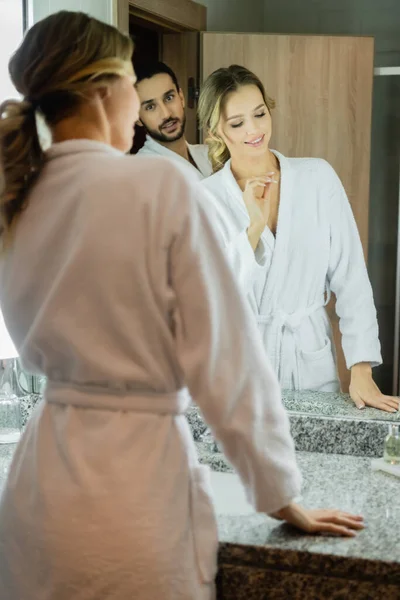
(290, 234)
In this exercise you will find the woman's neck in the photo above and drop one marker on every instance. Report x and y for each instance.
(88, 122)
(246, 168)
(68, 130)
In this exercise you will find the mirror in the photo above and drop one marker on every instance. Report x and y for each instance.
(309, 262)
(314, 117)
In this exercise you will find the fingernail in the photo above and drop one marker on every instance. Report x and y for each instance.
(360, 406)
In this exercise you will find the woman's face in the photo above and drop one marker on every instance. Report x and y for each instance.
(245, 124)
(121, 105)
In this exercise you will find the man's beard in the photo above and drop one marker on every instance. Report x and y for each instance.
(159, 136)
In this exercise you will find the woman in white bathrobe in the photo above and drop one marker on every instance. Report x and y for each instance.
(290, 235)
(112, 284)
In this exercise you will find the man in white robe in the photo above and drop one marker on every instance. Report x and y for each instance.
(162, 114)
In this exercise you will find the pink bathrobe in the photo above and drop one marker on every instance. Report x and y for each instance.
(117, 290)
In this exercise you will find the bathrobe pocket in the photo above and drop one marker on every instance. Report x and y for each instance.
(318, 369)
(205, 530)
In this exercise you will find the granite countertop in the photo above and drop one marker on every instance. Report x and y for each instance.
(260, 557)
(332, 481)
(6, 454)
(327, 405)
(322, 422)
(331, 423)
(332, 405)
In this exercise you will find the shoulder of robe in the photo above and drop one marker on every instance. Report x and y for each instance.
(143, 151)
(152, 171)
(330, 188)
(215, 183)
(327, 176)
(320, 166)
(316, 171)
(150, 180)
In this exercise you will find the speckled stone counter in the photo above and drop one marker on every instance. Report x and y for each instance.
(330, 404)
(262, 559)
(331, 423)
(27, 404)
(320, 422)
(6, 453)
(323, 422)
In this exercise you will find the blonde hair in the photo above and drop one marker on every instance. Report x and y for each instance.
(60, 59)
(211, 103)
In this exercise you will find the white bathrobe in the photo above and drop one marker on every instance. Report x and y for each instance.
(199, 153)
(289, 278)
(117, 290)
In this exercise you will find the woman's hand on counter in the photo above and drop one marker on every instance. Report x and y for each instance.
(334, 522)
(364, 391)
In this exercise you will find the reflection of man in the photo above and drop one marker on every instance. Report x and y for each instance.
(162, 114)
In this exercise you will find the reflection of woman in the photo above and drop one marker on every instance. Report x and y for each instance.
(289, 231)
(107, 289)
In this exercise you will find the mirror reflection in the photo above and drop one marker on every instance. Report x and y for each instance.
(286, 225)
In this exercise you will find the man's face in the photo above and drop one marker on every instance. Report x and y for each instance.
(162, 108)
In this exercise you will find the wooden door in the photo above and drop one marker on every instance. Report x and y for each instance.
(180, 51)
(323, 90)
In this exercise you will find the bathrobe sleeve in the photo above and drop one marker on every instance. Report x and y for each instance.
(225, 365)
(348, 278)
(247, 264)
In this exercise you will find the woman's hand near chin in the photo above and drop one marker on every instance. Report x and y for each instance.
(257, 201)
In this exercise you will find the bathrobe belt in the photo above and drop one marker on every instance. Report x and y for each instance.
(281, 322)
(116, 397)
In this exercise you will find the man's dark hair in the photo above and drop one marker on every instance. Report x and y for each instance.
(148, 70)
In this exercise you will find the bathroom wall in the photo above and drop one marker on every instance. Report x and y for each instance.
(223, 15)
(234, 15)
(380, 18)
(11, 31)
(101, 9)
